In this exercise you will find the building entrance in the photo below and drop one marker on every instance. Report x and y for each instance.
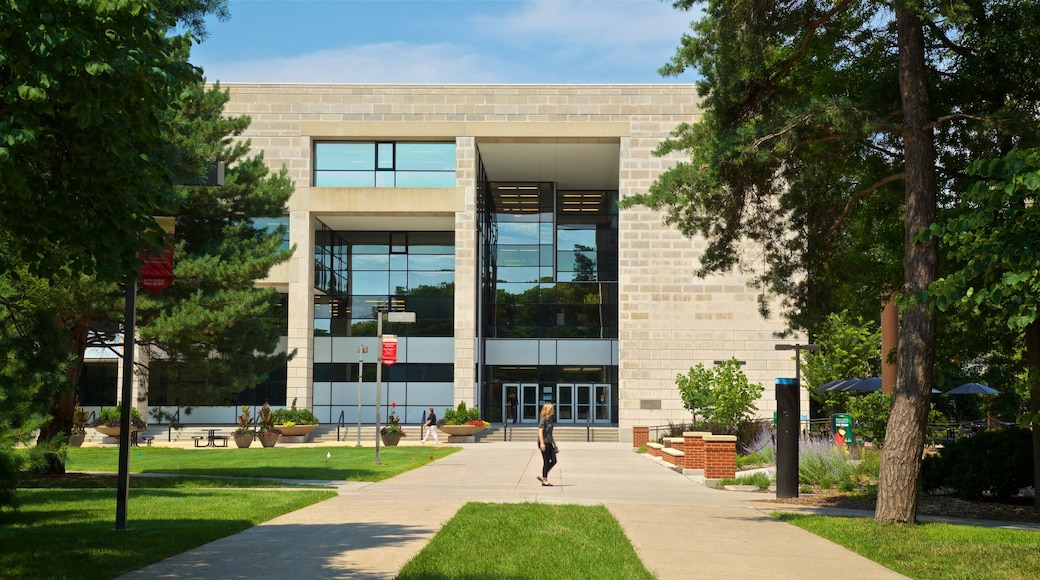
(575, 403)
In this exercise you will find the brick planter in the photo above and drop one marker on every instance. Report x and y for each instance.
(640, 436)
(720, 456)
(693, 447)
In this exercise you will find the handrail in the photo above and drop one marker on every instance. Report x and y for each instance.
(174, 420)
(342, 423)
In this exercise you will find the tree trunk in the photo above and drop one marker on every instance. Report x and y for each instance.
(1032, 335)
(65, 403)
(904, 443)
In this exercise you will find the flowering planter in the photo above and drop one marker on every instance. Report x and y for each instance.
(76, 440)
(390, 440)
(295, 430)
(110, 431)
(243, 440)
(460, 430)
(269, 439)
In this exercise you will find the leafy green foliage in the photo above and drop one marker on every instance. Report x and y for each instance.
(997, 463)
(83, 87)
(294, 415)
(721, 394)
(460, 415)
(110, 417)
(871, 412)
(850, 348)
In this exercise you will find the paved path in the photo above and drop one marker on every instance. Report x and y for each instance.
(679, 528)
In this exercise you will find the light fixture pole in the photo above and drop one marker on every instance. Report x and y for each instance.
(797, 348)
(361, 350)
(788, 419)
(392, 316)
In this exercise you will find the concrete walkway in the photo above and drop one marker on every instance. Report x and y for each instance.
(679, 528)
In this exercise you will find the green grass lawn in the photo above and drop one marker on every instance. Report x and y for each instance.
(933, 550)
(65, 527)
(528, 540)
(307, 463)
(70, 533)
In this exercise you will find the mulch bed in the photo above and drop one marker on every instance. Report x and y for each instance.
(931, 505)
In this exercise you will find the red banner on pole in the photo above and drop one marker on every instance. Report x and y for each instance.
(389, 349)
(157, 271)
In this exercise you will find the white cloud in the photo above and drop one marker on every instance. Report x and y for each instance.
(391, 62)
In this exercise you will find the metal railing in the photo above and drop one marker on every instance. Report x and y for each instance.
(341, 424)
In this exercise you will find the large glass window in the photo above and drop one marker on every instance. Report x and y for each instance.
(551, 267)
(385, 164)
(416, 268)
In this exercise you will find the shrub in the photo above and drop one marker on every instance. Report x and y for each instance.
(460, 415)
(295, 416)
(109, 417)
(997, 463)
(821, 463)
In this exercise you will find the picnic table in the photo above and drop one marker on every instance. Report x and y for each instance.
(211, 439)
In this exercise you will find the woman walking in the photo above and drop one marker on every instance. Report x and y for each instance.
(546, 443)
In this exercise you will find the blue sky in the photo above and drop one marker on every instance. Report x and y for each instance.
(444, 41)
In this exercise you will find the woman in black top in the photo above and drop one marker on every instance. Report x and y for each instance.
(545, 442)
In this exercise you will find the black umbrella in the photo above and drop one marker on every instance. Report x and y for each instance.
(972, 389)
(837, 386)
(867, 385)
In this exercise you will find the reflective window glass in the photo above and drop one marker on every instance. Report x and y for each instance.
(417, 279)
(528, 274)
(385, 156)
(431, 262)
(518, 233)
(344, 156)
(386, 179)
(426, 156)
(571, 239)
(518, 255)
(424, 178)
(370, 282)
(371, 262)
(344, 179)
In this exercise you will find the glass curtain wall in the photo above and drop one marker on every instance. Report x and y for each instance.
(374, 268)
(549, 273)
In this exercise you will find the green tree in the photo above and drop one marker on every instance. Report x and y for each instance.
(821, 119)
(83, 87)
(850, 348)
(214, 323)
(993, 239)
(722, 394)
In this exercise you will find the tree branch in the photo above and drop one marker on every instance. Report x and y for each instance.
(942, 120)
(848, 206)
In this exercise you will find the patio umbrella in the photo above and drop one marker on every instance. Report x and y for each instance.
(837, 386)
(867, 385)
(972, 389)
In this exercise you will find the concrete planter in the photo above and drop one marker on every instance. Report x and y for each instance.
(460, 430)
(295, 430)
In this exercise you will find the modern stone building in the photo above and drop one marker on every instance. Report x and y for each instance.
(490, 211)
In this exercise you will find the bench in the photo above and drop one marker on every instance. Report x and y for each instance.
(148, 440)
(199, 440)
(654, 449)
(673, 456)
(673, 441)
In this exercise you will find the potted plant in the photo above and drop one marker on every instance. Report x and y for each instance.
(293, 421)
(244, 433)
(392, 433)
(107, 422)
(462, 421)
(79, 427)
(267, 434)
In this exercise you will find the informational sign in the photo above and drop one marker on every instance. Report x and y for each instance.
(389, 349)
(841, 430)
(157, 271)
